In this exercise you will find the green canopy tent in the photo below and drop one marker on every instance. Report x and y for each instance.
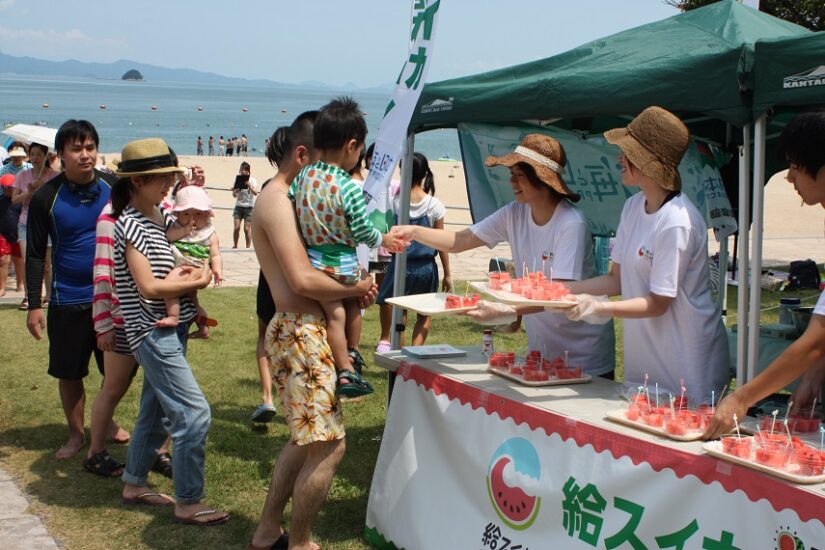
(697, 64)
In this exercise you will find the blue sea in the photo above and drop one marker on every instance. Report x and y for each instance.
(184, 111)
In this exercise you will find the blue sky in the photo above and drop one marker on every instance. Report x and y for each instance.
(334, 41)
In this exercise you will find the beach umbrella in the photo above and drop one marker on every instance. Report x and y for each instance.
(29, 134)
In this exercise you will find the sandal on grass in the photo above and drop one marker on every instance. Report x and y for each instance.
(358, 362)
(350, 384)
(203, 320)
(163, 465)
(103, 465)
(281, 544)
(194, 518)
(148, 499)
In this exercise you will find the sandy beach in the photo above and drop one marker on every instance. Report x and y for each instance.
(791, 231)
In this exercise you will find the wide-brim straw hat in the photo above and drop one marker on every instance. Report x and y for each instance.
(145, 157)
(547, 158)
(655, 142)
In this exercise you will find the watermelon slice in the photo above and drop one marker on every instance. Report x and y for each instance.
(516, 508)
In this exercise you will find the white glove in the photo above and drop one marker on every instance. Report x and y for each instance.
(493, 313)
(590, 309)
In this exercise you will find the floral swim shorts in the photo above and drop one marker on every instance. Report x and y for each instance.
(303, 372)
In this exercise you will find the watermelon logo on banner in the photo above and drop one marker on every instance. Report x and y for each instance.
(785, 540)
(514, 467)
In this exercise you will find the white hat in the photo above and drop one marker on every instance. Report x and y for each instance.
(18, 152)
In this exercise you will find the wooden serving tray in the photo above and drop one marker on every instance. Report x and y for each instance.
(535, 383)
(507, 297)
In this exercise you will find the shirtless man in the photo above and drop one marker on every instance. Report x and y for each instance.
(300, 359)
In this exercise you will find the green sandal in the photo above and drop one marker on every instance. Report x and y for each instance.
(358, 362)
(355, 387)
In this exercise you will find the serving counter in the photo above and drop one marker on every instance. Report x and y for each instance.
(471, 460)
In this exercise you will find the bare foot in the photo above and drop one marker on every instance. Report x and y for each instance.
(201, 334)
(2, 292)
(308, 546)
(117, 434)
(167, 322)
(70, 448)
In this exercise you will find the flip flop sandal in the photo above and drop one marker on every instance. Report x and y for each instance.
(193, 519)
(355, 387)
(143, 500)
(163, 465)
(281, 544)
(103, 465)
(208, 321)
(264, 413)
(358, 362)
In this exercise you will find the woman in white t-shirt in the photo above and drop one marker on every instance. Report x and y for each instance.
(673, 332)
(544, 231)
(426, 211)
(802, 144)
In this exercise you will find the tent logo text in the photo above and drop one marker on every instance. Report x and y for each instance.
(437, 106)
(805, 79)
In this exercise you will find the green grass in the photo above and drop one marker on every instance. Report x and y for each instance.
(84, 512)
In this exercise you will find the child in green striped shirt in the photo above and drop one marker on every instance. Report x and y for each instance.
(332, 214)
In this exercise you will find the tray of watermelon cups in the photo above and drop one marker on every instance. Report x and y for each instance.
(805, 424)
(674, 421)
(534, 369)
(534, 289)
(777, 453)
(436, 303)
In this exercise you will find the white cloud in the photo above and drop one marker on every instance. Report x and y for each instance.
(5, 5)
(57, 44)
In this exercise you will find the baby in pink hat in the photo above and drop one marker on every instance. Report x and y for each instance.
(194, 241)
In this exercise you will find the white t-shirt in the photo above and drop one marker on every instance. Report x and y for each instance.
(429, 206)
(819, 308)
(665, 253)
(245, 197)
(566, 244)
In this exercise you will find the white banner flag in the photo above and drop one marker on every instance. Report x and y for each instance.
(393, 129)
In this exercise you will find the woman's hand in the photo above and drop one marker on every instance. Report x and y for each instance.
(405, 233)
(203, 276)
(722, 421)
(447, 284)
(493, 313)
(591, 309)
(106, 341)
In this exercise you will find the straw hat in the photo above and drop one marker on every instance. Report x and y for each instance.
(17, 152)
(545, 155)
(145, 157)
(194, 198)
(655, 142)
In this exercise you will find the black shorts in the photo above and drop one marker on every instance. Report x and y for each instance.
(265, 305)
(72, 341)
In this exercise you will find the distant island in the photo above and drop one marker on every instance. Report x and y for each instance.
(132, 74)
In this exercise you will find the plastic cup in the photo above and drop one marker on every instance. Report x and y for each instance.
(497, 279)
(811, 463)
(676, 424)
(737, 446)
(773, 454)
(654, 417)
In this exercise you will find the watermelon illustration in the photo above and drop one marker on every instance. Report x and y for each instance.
(786, 541)
(514, 506)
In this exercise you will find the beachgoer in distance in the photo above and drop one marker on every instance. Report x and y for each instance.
(221, 146)
(296, 344)
(244, 203)
(332, 215)
(802, 145)
(264, 304)
(144, 276)
(660, 268)
(546, 233)
(211, 145)
(230, 146)
(9, 247)
(66, 209)
(422, 272)
(199, 147)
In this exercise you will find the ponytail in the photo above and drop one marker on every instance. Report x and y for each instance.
(121, 195)
(421, 173)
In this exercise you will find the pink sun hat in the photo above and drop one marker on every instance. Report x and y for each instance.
(192, 197)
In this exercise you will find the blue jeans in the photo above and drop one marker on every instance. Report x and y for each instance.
(171, 402)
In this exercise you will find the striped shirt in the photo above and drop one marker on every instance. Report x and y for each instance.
(105, 306)
(139, 313)
(333, 216)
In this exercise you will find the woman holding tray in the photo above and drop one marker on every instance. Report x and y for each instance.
(547, 232)
(802, 143)
(673, 332)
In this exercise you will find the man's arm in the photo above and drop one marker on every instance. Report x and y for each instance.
(177, 282)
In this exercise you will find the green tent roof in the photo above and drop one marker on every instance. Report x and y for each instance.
(789, 73)
(694, 63)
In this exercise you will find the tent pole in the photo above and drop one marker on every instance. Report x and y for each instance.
(400, 275)
(742, 273)
(756, 248)
(723, 278)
